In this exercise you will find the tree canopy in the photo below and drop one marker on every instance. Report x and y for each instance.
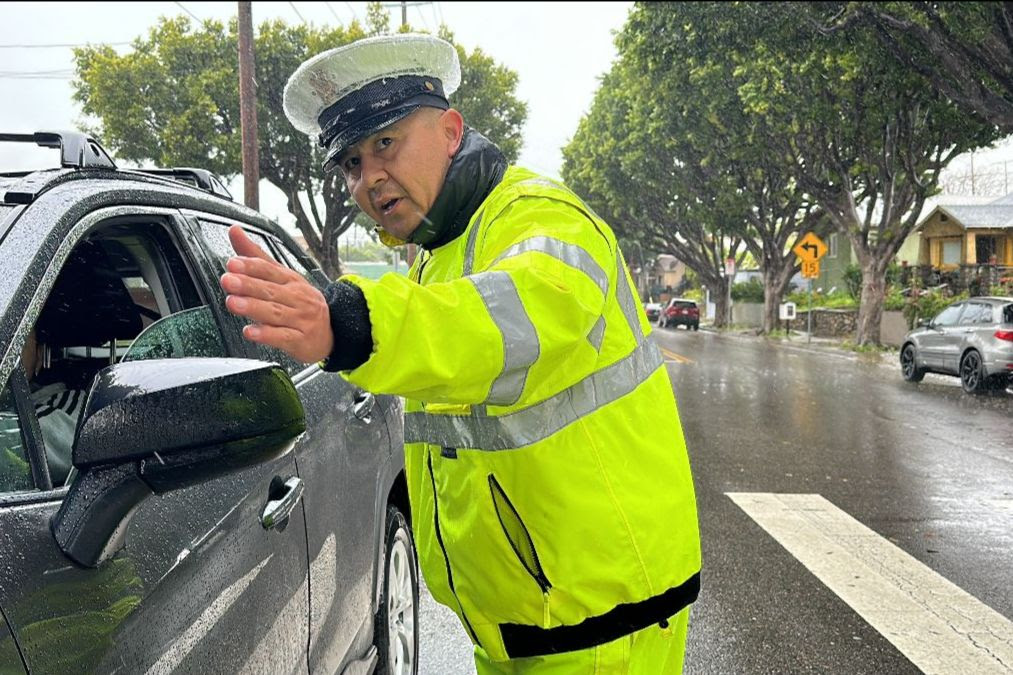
(758, 125)
(173, 100)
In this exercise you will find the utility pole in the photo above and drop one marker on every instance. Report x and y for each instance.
(248, 108)
(412, 249)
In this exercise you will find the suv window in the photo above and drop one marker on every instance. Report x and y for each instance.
(216, 236)
(124, 292)
(15, 471)
(977, 313)
(949, 316)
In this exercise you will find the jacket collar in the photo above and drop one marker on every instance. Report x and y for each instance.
(476, 169)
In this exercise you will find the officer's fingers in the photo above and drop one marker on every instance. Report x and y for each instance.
(263, 311)
(267, 270)
(244, 246)
(279, 337)
(290, 293)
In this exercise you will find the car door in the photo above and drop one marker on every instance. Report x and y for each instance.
(977, 325)
(935, 341)
(340, 456)
(201, 585)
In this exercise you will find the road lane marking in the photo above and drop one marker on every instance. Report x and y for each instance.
(672, 356)
(936, 625)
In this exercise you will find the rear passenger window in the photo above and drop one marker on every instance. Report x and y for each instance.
(216, 236)
(15, 471)
(985, 315)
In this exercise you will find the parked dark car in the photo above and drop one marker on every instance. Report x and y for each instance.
(972, 339)
(228, 509)
(680, 312)
(653, 310)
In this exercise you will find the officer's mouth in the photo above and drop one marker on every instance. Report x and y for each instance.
(387, 207)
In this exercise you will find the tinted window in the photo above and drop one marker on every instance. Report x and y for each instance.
(15, 471)
(216, 236)
(1007, 314)
(125, 292)
(191, 332)
(949, 316)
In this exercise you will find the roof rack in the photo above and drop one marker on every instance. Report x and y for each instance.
(77, 150)
(199, 178)
(80, 151)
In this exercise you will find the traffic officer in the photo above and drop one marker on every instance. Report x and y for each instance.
(550, 488)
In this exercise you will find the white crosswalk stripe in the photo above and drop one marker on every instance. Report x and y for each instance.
(936, 625)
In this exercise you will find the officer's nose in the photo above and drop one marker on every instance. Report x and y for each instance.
(373, 172)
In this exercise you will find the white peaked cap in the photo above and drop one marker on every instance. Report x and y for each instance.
(329, 76)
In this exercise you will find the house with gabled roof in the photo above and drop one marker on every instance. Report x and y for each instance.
(960, 235)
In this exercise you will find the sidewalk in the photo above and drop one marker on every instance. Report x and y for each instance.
(801, 340)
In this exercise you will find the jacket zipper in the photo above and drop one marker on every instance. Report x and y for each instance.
(446, 558)
(422, 265)
(531, 564)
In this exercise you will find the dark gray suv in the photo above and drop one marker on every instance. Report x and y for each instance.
(172, 497)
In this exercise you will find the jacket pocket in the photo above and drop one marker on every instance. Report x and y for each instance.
(517, 534)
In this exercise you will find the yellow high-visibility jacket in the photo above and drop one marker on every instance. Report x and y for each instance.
(550, 487)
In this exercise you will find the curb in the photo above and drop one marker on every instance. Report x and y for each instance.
(818, 345)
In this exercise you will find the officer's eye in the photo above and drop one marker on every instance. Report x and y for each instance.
(350, 164)
(384, 142)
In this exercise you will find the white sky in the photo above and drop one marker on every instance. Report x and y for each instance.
(559, 51)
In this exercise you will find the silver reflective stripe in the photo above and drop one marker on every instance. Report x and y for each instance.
(597, 334)
(540, 421)
(544, 182)
(567, 253)
(520, 341)
(625, 296)
(469, 251)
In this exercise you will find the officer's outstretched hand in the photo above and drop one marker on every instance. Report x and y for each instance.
(286, 310)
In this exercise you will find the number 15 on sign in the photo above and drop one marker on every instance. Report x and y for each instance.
(811, 269)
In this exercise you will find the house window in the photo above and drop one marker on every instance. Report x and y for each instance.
(951, 252)
(833, 246)
(985, 248)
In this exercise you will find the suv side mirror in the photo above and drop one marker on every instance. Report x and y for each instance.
(149, 427)
(925, 323)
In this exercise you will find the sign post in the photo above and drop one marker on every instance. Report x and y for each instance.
(730, 277)
(809, 251)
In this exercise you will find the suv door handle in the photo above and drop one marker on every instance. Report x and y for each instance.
(279, 509)
(363, 406)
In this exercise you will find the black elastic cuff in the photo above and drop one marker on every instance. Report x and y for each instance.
(353, 332)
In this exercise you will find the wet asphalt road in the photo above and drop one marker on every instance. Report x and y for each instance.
(925, 466)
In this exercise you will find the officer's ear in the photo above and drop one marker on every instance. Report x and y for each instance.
(452, 125)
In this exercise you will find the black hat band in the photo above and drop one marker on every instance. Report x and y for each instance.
(377, 97)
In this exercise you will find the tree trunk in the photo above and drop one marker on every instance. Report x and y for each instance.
(775, 282)
(870, 312)
(719, 294)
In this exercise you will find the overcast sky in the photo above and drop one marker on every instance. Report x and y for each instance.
(559, 51)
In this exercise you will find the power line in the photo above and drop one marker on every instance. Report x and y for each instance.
(66, 44)
(422, 16)
(354, 13)
(333, 12)
(292, 5)
(187, 11)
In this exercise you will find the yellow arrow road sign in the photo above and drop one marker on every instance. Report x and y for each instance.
(811, 248)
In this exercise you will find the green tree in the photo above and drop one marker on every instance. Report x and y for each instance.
(963, 49)
(695, 105)
(174, 100)
(865, 138)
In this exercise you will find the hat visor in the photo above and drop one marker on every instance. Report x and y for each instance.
(356, 132)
